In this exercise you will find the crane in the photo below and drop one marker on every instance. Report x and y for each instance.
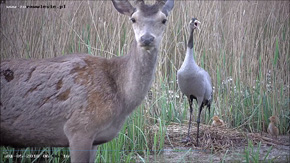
(194, 81)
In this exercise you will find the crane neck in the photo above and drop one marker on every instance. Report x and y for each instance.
(189, 58)
(189, 62)
(190, 41)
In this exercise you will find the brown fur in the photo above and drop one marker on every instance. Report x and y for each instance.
(217, 122)
(272, 129)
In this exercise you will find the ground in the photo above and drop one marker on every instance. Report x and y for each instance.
(221, 143)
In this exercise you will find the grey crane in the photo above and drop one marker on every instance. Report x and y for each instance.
(194, 81)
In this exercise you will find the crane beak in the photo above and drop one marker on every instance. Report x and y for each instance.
(197, 24)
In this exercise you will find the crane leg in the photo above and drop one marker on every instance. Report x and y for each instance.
(189, 124)
(209, 110)
(208, 106)
(198, 122)
(188, 138)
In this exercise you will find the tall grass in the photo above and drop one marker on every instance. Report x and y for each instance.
(244, 45)
(253, 155)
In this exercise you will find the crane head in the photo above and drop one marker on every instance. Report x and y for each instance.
(194, 23)
(274, 119)
(215, 118)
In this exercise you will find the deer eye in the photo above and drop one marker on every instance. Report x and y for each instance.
(133, 20)
(164, 21)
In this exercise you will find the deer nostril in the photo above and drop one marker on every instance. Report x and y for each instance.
(147, 39)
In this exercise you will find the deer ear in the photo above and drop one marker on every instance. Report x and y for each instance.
(167, 7)
(123, 7)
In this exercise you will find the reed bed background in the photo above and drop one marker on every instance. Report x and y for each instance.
(244, 45)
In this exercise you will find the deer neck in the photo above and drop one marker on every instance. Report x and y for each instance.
(138, 75)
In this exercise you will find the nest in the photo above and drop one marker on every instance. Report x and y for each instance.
(213, 138)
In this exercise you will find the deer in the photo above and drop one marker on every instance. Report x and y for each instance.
(79, 100)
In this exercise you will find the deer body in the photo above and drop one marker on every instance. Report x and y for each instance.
(73, 88)
(79, 100)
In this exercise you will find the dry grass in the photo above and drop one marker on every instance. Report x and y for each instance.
(218, 139)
